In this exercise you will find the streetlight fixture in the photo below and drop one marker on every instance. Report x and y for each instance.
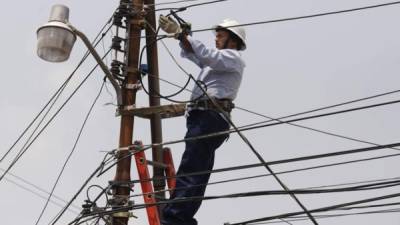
(57, 37)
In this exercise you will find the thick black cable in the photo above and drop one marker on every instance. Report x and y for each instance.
(304, 127)
(323, 209)
(159, 95)
(296, 125)
(92, 175)
(254, 194)
(266, 175)
(72, 151)
(313, 129)
(328, 216)
(261, 126)
(247, 128)
(103, 191)
(39, 124)
(290, 160)
(270, 119)
(172, 2)
(54, 97)
(226, 116)
(326, 107)
(39, 195)
(190, 6)
(34, 186)
(255, 152)
(53, 100)
(156, 94)
(60, 88)
(300, 17)
(370, 206)
(308, 16)
(373, 186)
(248, 166)
(302, 218)
(51, 119)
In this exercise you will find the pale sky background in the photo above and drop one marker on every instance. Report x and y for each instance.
(291, 67)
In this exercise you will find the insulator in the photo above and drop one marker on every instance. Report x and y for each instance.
(115, 68)
(86, 207)
(117, 19)
(116, 43)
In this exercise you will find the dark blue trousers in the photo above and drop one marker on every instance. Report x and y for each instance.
(198, 156)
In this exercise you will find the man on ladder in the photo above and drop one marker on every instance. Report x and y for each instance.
(221, 74)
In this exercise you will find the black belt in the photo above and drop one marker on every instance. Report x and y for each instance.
(226, 104)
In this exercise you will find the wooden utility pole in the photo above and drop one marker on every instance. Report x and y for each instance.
(154, 89)
(122, 177)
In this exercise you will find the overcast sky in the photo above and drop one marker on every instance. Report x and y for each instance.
(291, 67)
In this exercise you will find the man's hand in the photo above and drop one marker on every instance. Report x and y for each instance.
(169, 25)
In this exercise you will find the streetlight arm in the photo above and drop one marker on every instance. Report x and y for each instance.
(99, 61)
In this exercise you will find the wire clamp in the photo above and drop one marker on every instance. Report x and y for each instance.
(124, 109)
(130, 107)
(134, 87)
(123, 214)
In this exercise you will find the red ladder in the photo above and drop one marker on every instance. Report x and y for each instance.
(145, 180)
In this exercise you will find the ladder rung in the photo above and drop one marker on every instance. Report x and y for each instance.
(156, 164)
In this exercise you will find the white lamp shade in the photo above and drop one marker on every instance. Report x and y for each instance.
(55, 41)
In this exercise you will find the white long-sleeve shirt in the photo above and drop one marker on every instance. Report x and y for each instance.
(221, 70)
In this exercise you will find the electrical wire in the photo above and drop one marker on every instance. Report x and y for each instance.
(261, 193)
(103, 191)
(373, 186)
(134, 148)
(95, 42)
(70, 154)
(296, 18)
(327, 107)
(289, 160)
(296, 125)
(159, 95)
(247, 142)
(260, 175)
(53, 99)
(308, 16)
(38, 194)
(313, 129)
(302, 218)
(92, 175)
(34, 186)
(281, 172)
(247, 128)
(51, 119)
(353, 151)
(190, 6)
(171, 2)
(323, 209)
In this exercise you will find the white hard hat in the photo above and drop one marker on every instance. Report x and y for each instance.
(232, 25)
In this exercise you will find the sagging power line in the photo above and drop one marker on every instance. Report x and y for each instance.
(239, 130)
